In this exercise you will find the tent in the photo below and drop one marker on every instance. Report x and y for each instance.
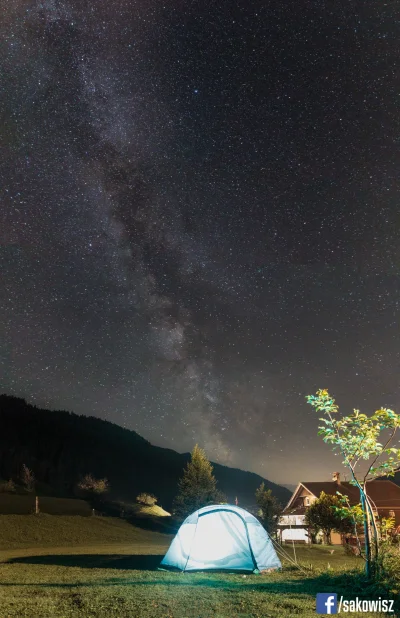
(223, 538)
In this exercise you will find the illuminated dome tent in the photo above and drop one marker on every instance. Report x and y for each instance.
(221, 538)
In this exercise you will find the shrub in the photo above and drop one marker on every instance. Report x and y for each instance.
(147, 499)
(90, 486)
(388, 567)
(8, 487)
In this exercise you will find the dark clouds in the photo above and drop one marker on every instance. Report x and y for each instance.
(201, 221)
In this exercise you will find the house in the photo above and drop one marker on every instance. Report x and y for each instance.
(384, 496)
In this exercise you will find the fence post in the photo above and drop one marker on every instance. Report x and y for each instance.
(37, 505)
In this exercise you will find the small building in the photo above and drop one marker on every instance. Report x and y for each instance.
(384, 496)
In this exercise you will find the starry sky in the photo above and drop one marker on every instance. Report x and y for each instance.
(200, 218)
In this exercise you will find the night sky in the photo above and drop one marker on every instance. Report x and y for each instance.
(200, 218)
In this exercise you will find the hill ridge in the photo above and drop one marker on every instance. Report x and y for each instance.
(60, 446)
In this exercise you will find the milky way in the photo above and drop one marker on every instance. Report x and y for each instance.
(200, 218)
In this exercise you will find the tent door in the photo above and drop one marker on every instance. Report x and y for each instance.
(220, 542)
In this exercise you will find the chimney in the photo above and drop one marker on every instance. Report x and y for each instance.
(336, 477)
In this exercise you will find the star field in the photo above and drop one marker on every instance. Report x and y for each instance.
(200, 218)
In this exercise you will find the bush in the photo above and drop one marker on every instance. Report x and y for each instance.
(8, 487)
(388, 567)
(147, 499)
(90, 486)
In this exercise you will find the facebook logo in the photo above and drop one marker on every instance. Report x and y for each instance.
(326, 603)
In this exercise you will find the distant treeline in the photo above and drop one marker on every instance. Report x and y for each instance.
(60, 447)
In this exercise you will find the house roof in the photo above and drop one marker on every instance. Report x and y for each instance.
(382, 493)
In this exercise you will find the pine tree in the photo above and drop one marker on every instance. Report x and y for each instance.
(197, 487)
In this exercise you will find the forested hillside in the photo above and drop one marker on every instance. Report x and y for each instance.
(60, 447)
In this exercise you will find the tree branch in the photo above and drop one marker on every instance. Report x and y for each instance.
(379, 454)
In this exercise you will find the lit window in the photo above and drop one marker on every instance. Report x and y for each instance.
(391, 514)
(307, 501)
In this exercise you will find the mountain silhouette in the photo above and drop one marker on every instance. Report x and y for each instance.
(60, 447)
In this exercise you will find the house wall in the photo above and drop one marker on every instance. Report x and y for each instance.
(300, 534)
(295, 534)
(305, 493)
(298, 520)
(385, 513)
(336, 538)
(292, 520)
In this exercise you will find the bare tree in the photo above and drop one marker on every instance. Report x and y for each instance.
(28, 478)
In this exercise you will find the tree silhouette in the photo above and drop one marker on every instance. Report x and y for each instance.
(270, 509)
(197, 487)
(28, 478)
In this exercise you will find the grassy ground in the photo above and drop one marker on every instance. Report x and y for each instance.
(24, 504)
(109, 569)
(22, 531)
(154, 511)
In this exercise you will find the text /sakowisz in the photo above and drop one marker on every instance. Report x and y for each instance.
(328, 603)
(363, 605)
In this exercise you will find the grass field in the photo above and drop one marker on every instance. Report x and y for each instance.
(24, 504)
(28, 531)
(101, 567)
